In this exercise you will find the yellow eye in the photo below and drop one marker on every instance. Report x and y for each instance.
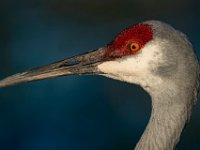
(134, 46)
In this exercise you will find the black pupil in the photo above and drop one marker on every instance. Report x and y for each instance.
(133, 47)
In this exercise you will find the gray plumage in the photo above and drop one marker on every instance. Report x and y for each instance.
(166, 67)
(171, 106)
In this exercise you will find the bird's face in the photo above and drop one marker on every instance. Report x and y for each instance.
(133, 55)
(129, 57)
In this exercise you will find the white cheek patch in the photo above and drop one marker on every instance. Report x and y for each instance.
(137, 68)
(133, 65)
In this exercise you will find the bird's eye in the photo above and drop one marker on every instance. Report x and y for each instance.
(134, 46)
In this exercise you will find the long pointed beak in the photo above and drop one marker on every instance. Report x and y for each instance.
(83, 64)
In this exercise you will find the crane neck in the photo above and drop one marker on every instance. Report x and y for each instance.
(166, 123)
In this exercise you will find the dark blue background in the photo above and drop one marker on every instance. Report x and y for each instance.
(79, 112)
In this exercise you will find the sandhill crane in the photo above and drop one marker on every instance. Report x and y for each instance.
(151, 54)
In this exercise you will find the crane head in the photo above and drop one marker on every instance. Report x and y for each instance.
(139, 54)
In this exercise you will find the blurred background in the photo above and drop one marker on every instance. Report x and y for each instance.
(79, 112)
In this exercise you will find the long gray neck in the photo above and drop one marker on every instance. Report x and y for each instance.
(168, 117)
(173, 84)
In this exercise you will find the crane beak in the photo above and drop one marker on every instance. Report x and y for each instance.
(82, 64)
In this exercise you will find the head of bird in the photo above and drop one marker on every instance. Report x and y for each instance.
(151, 54)
(147, 54)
